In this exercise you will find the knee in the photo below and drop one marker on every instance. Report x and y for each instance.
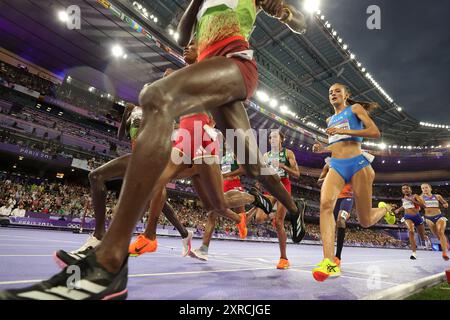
(153, 99)
(327, 204)
(364, 222)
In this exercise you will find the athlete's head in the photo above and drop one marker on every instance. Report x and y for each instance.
(406, 190)
(190, 53)
(426, 188)
(276, 138)
(340, 95)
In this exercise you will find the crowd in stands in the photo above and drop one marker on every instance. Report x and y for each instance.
(10, 75)
(20, 194)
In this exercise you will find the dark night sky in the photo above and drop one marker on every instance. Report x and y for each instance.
(409, 56)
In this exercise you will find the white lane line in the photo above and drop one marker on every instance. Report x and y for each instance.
(35, 245)
(143, 275)
(193, 272)
(25, 255)
(39, 240)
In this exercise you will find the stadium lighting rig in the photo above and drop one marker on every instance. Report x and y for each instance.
(144, 12)
(433, 125)
(351, 56)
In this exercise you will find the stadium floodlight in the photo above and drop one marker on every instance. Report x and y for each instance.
(262, 96)
(176, 36)
(399, 109)
(311, 6)
(345, 47)
(334, 33)
(359, 64)
(171, 32)
(284, 109)
(62, 16)
(155, 20)
(117, 50)
(273, 103)
(382, 146)
(363, 69)
(125, 56)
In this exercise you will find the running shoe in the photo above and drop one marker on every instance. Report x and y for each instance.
(95, 283)
(64, 258)
(91, 242)
(242, 226)
(187, 244)
(142, 245)
(390, 216)
(445, 256)
(326, 269)
(283, 264)
(298, 221)
(261, 201)
(199, 254)
(413, 256)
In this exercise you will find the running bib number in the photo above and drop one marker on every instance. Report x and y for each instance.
(432, 203)
(344, 124)
(232, 4)
(408, 204)
(226, 168)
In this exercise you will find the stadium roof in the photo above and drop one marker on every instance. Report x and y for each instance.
(296, 71)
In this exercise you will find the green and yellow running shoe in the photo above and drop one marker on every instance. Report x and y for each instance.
(390, 216)
(326, 269)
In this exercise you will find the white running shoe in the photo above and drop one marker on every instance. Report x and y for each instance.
(413, 256)
(199, 254)
(187, 243)
(91, 243)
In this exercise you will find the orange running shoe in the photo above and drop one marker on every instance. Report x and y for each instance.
(445, 256)
(283, 264)
(337, 261)
(242, 226)
(142, 245)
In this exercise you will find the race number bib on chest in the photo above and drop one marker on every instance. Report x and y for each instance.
(342, 124)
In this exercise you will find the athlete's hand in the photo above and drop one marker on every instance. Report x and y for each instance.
(318, 147)
(332, 131)
(445, 205)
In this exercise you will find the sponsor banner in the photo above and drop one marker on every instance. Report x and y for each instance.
(25, 90)
(35, 154)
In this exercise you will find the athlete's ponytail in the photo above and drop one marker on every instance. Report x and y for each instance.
(368, 106)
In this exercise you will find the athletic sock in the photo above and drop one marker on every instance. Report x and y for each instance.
(340, 242)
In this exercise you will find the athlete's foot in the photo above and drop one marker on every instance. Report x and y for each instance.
(298, 221)
(283, 264)
(326, 269)
(445, 256)
(337, 261)
(242, 226)
(142, 245)
(187, 244)
(261, 201)
(95, 283)
(413, 256)
(200, 254)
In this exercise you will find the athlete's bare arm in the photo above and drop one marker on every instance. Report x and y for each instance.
(293, 169)
(442, 201)
(186, 26)
(287, 14)
(418, 200)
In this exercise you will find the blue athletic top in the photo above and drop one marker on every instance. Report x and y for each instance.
(345, 120)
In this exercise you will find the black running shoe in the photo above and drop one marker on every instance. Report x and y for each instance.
(64, 258)
(298, 221)
(94, 283)
(261, 201)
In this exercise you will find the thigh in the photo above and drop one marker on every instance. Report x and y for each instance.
(409, 225)
(441, 225)
(115, 168)
(432, 227)
(362, 183)
(208, 84)
(331, 188)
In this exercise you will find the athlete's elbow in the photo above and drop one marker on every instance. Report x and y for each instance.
(375, 134)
